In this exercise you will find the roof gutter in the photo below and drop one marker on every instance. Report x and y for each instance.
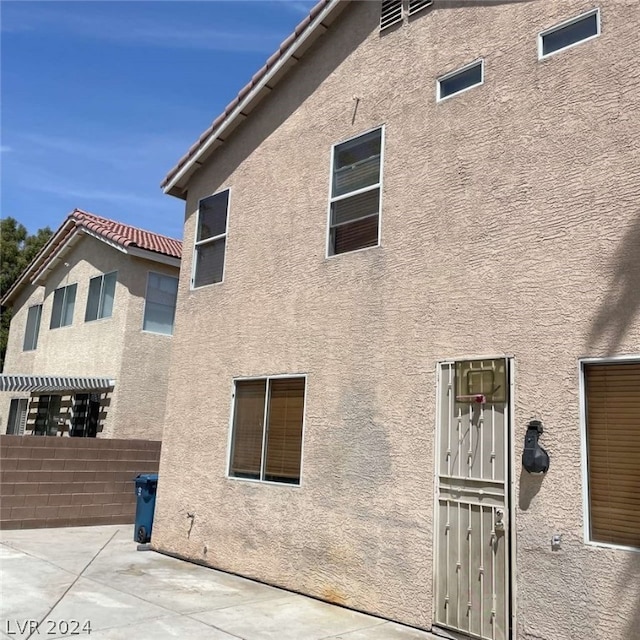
(171, 186)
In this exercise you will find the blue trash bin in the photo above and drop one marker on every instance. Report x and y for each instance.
(146, 487)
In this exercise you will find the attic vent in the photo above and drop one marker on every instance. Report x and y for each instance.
(418, 5)
(390, 13)
(393, 11)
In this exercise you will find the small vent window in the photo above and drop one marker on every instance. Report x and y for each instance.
(568, 34)
(460, 80)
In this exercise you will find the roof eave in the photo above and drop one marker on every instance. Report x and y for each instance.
(176, 182)
(37, 263)
(154, 256)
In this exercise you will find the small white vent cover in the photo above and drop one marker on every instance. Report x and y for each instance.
(418, 5)
(393, 11)
(390, 13)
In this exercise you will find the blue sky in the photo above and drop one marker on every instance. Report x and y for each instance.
(100, 99)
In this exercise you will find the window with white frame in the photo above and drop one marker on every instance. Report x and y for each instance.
(460, 80)
(64, 300)
(211, 240)
(102, 291)
(266, 439)
(160, 303)
(569, 33)
(354, 207)
(612, 413)
(32, 328)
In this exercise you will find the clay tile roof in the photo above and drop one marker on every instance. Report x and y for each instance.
(119, 233)
(127, 236)
(281, 52)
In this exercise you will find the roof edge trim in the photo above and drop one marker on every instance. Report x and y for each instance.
(170, 184)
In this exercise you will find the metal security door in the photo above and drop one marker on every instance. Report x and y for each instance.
(471, 560)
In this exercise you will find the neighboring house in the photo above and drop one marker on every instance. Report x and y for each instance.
(404, 243)
(90, 337)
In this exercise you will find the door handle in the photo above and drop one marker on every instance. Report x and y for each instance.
(499, 523)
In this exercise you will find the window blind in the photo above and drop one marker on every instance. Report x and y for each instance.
(613, 450)
(284, 432)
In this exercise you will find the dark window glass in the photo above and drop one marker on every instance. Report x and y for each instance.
(572, 33)
(461, 81)
(102, 291)
(355, 201)
(211, 239)
(213, 216)
(209, 263)
(64, 300)
(33, 328)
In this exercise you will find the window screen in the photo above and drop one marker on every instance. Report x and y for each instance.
(211, 235)
(64, 300)
(32, 328)
(267, 429)
(160, 303)
(355, 194)
(613, 452)
(102, 291)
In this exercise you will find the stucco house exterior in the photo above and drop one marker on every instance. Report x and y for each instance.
(413, 256)
(91, 332)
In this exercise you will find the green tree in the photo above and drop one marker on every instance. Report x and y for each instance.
(17, 248)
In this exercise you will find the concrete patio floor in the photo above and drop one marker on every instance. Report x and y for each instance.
(96, 575)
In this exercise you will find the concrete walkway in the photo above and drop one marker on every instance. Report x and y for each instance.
(97, 577)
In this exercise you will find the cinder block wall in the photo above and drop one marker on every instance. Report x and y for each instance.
(60, 482)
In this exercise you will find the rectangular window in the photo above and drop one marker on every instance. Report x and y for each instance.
(267, 429)
(160, 303)
(33, 328)
(569, 33)
(17, 416)
(64, 300)
(47, 416)
(211, 240)
(102, 290)
(354, 206)
(612, 404)
(460, 80)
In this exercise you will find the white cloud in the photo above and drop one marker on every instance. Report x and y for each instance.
(144, 30)
(5, 148)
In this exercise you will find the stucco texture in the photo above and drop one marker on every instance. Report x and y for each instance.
(510, 226)
(114, 347)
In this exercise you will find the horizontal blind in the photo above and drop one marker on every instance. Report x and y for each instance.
(284, 433)
(613, 444)
(355, 235)
(248, 418)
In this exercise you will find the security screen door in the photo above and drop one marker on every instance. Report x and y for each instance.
(471, 560)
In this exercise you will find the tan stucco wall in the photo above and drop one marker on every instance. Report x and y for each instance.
(510, 225)
(112, 347)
